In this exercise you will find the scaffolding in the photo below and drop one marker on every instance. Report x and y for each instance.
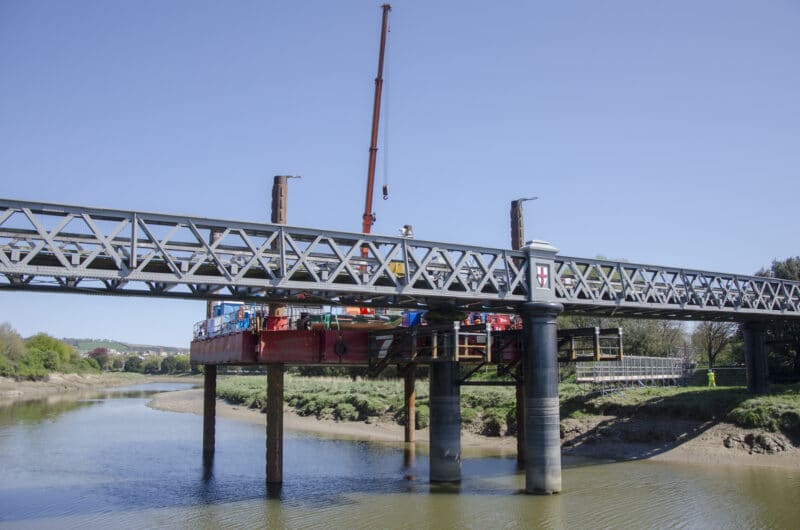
(633, 370)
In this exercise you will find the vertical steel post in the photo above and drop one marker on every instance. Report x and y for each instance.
(209, 413)
(517, 242)
(445, 431)
(280, 199)
(210, 391)
(540, 368)
(275, 423)
(755, 355)
(410, 402)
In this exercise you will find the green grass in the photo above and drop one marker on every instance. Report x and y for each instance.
(490, 410)
(778, 411)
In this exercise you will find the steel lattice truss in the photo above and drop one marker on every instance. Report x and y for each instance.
(50, 247)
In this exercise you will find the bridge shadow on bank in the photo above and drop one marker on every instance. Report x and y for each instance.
(632, 429)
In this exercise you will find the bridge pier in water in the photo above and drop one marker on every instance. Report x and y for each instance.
(540, 376)
(209, 413)
(755, 357)
(445, 422)
(410, 400)
(275, 423)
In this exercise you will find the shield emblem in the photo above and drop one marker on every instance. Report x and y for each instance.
(543, 276)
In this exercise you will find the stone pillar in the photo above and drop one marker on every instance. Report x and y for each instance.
(540, 372)
(755, 357)
(209, 412)
(445, 426)
(410, 402)
(275, 423)
(540, 368)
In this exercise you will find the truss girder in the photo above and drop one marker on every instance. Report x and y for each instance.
(53, 247)
(628, 289)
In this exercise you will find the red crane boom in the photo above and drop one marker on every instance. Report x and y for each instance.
(369, 217)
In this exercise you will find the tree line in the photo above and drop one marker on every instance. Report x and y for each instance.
(38, 356)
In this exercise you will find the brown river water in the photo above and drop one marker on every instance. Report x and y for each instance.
(110, 461)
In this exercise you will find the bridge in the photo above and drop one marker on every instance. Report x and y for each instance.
(63, 248)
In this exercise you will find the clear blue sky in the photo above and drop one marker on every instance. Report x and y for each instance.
(658, 132)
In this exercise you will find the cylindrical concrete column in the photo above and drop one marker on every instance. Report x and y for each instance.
(274, 423)
(410, 402)
(540, 372)
(209, 412)
(445, 431)
(519, 412)
(755, 357)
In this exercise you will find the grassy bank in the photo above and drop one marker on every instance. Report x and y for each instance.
(490, 411)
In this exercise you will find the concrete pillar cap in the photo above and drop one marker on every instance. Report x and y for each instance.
(539, 246)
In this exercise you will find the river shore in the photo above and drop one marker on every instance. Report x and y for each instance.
(598, 437)
(57, 385)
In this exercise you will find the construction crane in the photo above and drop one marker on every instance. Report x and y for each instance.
(369, 216)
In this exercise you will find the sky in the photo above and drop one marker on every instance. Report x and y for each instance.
(658, 132)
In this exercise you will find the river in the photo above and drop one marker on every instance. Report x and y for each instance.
(110, 461)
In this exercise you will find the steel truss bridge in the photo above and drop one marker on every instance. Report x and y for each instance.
(56, 247)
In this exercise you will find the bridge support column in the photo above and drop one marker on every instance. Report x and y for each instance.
(540, 372)
(445, 433)
(755, 357)
(410, 403)
(209, 413)
(274, 423)
(520, 419)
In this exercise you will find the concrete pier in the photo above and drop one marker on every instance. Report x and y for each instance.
(519, 412)
(755, 357)
(540, 371)
(209, 413)
(445, 426)
(275, 423)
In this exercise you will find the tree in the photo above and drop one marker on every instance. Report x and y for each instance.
(133, 364)
(182, 364)
(168, 365)
(12, 346)
(118, 363)
(783, 338)
(788, 269)
(152, 365)
(44, 342)
(712, 337)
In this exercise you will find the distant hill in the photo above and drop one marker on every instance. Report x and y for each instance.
(86, 345)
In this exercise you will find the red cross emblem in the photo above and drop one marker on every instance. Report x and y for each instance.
(543, 275)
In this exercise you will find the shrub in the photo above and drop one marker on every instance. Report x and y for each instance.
(511, 422)
(345, 412)
(133, 364)
(152, 365)
(90, 364)
(422, 417)
(468, 415)
(493, 422)
(6, 368)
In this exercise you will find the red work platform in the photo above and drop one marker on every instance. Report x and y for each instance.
(236, 348)
(379, 348)
(290, 347)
